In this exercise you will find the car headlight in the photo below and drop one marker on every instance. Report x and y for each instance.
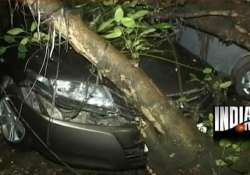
(89, 93)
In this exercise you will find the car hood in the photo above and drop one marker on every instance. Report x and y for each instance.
(70, 66)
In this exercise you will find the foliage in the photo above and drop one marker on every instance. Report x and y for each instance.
(230, 153)
(22, 39)
(206, 126)
(214, 84)
(126, 26)
(218, 87)
(214, 89)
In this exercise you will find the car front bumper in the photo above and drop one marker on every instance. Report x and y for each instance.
(85, 145)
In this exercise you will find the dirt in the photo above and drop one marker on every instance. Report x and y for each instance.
(14, 161)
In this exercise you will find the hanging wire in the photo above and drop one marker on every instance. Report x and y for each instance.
(11, 13)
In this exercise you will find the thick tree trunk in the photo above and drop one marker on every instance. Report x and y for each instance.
(173, 140)
(229, 23)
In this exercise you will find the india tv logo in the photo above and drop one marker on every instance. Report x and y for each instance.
(231, 121)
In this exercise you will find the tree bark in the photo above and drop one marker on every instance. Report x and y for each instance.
(172, 139)
(229, 23)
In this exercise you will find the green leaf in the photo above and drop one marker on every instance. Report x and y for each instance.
(128, 22)
(117, 32)
(210, 117)
(119, 14)
(236, 147)
(9, 39)
(95, 21)
(220, 163)
(207, 70)
(210, 132)
(135, 55)
(22, 51)
(128, 30)
(141, 47)
(24, 41)
(33, 26)
(216, 85)
(21, 55)
(15, 31)
(22, 48)
(163, 26)
(2, 50)
(128, 43)
(225, 143)
(193, 77)
(106, 25)
(171, 155)
(208, 78)
(148, 31)
(232, 159)
(182, 99)
(137, 42)
(43, 37)
(139, 14)
(225, 85)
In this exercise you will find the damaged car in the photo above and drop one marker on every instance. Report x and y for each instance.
(61, 104)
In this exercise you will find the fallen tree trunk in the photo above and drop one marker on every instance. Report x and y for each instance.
(173, 140)
(228, 23)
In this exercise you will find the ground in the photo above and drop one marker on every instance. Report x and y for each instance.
(16, 162)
